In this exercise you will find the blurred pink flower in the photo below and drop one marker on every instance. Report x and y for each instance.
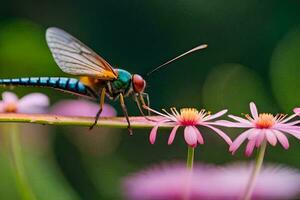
(90, 143)
(210, 182)
(81, 108)
(262, 127)
(31, 103)
(190, 118)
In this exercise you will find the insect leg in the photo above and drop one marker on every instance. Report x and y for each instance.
(139, 105)
(144, 103)
(141, 110)
(148, 101)
(102, 98)
(122, 102)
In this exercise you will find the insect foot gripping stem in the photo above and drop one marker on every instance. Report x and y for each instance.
(129, 129)
(102, 98)
(122, 102)
(96, 118)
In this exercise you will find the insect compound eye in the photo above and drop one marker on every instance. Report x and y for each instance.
(139, 83)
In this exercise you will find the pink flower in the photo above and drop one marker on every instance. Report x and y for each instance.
(31, 103)
(297, 111)
(81, 108)
(190, 118)
(211, 182)
(262, 127)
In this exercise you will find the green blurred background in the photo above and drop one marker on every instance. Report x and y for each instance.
(253, 55)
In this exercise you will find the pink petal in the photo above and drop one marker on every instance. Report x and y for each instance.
(33, 103)
(280, 124)
(287, 126)
(9, 97)
(260, 138)
(153, 132)
(226, 123)
(239, 140)
(292, 132)
(216, 115)
(297, 111)
(254, 135)
(172, 134)
(253, 110)
(241, 120)
(220, 133)
(282, 139)
(295, 131)
(293, 123)
(271, 137)
(190, 136)
(250, 147)
(199, 136)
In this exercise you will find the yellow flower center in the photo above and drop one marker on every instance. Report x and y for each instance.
(10, 108)
(265, 120)
(186, 116)
(189, 114)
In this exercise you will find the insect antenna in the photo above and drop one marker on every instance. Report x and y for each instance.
(202, 46)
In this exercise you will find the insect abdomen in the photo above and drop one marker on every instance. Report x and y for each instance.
(70, 85)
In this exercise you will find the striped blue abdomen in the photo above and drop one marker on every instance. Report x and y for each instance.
(70, 85)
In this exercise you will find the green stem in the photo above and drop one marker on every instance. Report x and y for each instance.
(255, 172)
(17, 162)
(189, 165)
(190, 158)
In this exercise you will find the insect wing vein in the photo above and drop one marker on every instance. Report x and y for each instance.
(73, 57)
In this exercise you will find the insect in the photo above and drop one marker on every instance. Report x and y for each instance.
(97, 78)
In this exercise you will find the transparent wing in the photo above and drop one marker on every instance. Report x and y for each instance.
(73, 57)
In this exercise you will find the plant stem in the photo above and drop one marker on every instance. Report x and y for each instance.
(189, 166)
(47, 119)
(255, 172)
(190, 158)
(17, 162)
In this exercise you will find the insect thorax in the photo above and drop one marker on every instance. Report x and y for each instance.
(121, 85)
